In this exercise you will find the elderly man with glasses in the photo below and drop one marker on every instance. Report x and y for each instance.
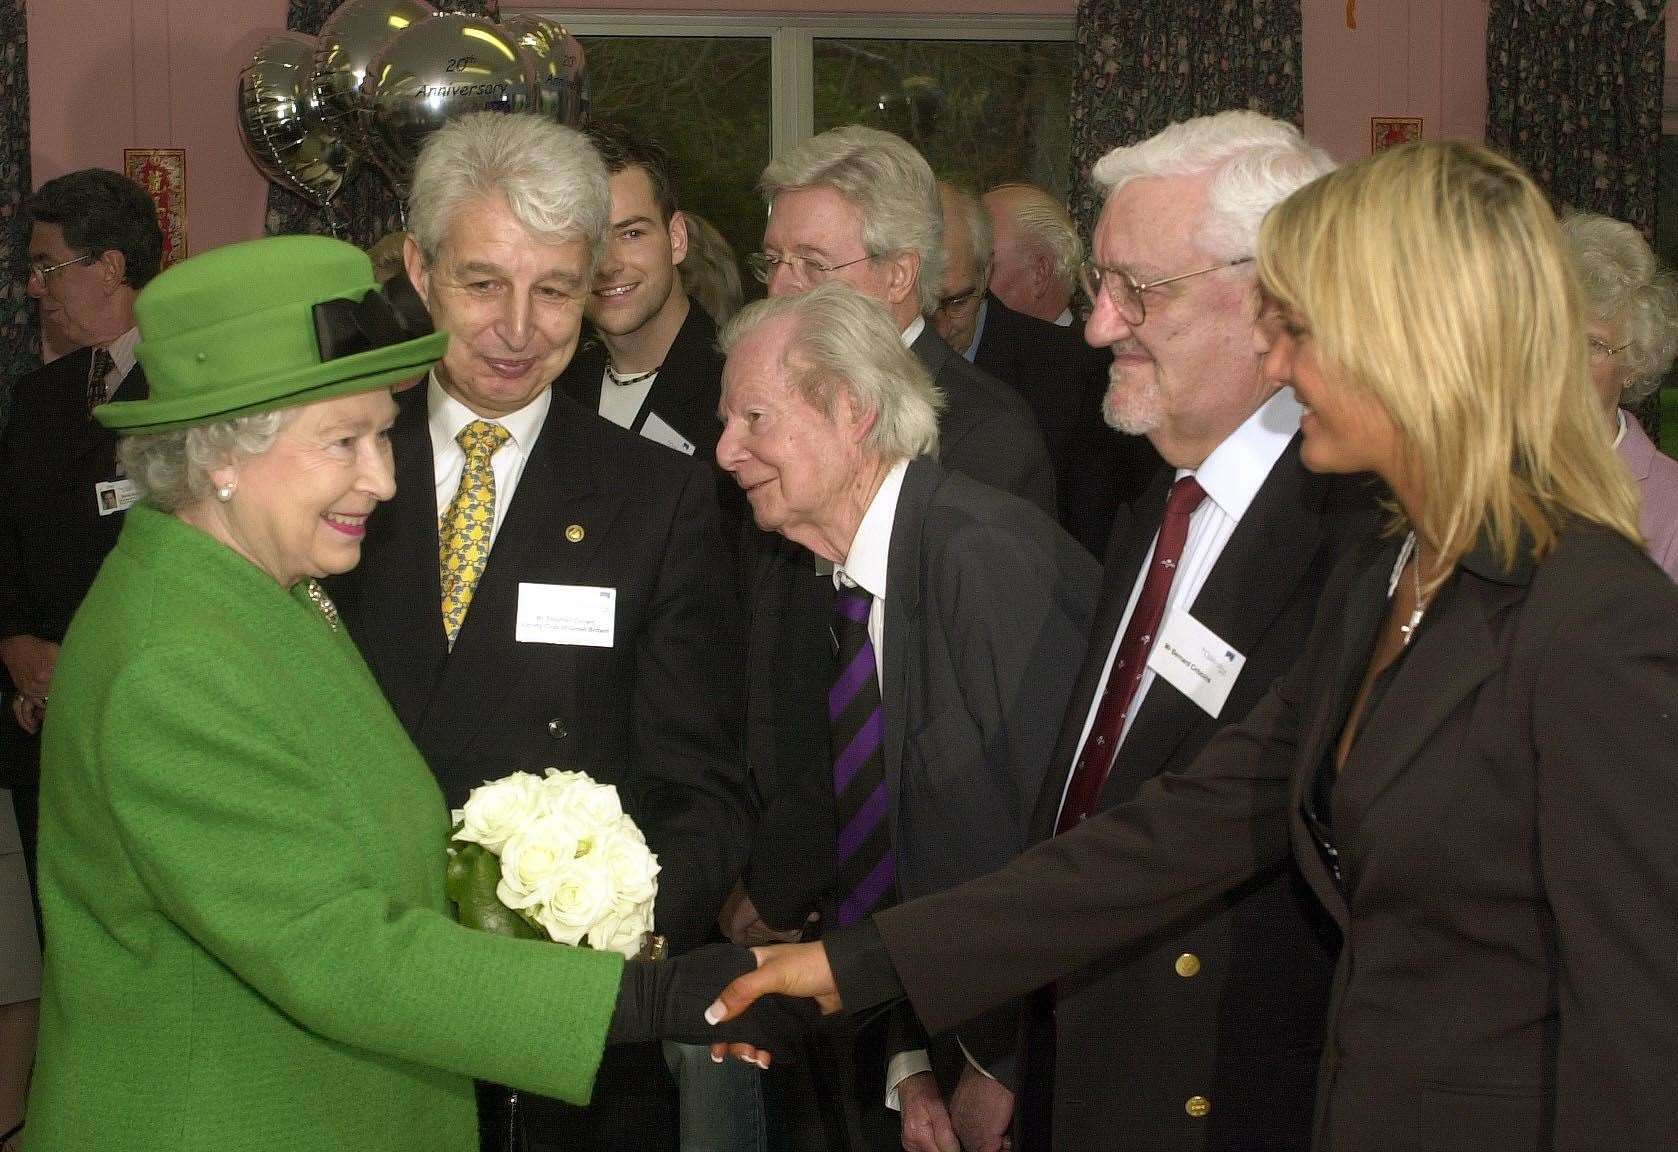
(861, 205)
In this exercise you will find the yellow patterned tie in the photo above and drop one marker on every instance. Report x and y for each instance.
(466, 524)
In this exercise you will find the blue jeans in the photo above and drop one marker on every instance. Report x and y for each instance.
(721, 1104)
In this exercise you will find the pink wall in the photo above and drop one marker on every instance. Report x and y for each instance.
(106, 75)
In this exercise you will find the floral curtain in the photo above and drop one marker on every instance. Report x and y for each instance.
(1141, 67)
(366, 206)
(18, 343)
(1575, 95)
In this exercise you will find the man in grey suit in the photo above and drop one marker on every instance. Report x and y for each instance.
(970, 612)
(861, 206)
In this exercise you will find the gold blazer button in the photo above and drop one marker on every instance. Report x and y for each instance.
(1188, 964)
(1197, 1106)
(574, 533)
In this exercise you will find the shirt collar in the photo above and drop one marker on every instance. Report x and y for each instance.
(1064, 320)
(1236, 469)
(866, 564)
(122, 351)
(913, 332)
(978, 331)
(449, 416)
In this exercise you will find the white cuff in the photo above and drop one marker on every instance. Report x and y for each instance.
(903, 1066)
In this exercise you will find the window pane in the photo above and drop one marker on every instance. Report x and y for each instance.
(980, 111)
(707, 100)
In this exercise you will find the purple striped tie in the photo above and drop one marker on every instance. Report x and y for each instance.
(865, 859)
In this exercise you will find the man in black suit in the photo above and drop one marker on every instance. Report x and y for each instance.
(94, 243)
(1098, 469)
(861, 205)
(600, 631)
(1206, 1038)
(977, 610)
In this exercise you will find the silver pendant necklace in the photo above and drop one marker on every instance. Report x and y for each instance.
(1408, 552)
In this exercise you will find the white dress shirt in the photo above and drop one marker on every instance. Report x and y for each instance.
(122, 355)
(621, 403)
(449, 416)
(1231, 476)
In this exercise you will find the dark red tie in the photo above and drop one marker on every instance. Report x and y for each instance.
(102, 366)
(1132, 658)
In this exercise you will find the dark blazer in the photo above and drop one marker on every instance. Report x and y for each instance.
(986, 613)
(986, 430)
(1097, 468)
(1504, 827)
(1239, 1022)
(52, 537)
(684, 395)
(656, 714)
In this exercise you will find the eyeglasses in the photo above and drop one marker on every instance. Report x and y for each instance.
(763, 265)
(45, 270)
(956, 305)
(1602, 350)
(1125, 292)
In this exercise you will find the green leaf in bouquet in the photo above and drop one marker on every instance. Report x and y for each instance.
(471, 879)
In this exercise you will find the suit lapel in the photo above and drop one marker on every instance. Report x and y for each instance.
(535, 544)
(903, 611)
(1124, 563)
(400, 589)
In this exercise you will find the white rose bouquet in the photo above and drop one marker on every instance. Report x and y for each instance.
(553, 856)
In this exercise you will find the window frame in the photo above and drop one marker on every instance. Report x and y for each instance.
(792, 45)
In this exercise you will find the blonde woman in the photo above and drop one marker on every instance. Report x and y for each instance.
(1473, 763)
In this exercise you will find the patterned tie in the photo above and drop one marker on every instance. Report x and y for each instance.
(465, 531)
(866, 861)
(1131, 660)
(103, 366)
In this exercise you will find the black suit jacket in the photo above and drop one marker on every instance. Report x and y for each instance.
(684, 395)
(1243, 1028)
(987, 608)
(52, 537)
(1097, 468)
(986, 430)
(657, 714)
(1504, 828)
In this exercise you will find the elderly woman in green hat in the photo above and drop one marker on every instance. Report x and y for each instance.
(242, 855)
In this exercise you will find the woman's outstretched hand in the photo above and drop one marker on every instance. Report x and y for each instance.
(798, 970)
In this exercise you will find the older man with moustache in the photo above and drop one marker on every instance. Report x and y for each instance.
(1097, 469)
(575, 607)
(861, 206)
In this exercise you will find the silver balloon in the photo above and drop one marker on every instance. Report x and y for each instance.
(560, 70)
(432, 72)
(349, 39)
(290, 139)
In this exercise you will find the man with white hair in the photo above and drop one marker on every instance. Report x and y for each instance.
(861, 205)
(1207, 1039)
(957, 613)
(1098, 470)
(547, 588)
(1037, 252)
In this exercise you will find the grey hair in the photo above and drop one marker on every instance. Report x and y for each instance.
(554, 180)
(1255, 162)
(844, 339)
(970, 212)
(891, 185)
(1046, 225)
(1624, 284)
(172, 469)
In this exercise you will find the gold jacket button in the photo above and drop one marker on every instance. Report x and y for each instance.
(574, 533)
(1197, 1106)
(1188, 964)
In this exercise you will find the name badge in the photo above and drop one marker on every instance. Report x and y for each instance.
(660, 432)
(1196, 662)
(566, 614)
(115, 495)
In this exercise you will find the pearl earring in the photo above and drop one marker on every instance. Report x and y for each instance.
(224, 493)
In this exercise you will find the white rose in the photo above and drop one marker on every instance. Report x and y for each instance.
(579, 893)
(533, 858)
(557, 787)
(494, 811)
(634, 869)
(597, 805)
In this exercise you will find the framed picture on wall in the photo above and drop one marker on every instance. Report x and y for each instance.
(162, 173)
(1387, 131)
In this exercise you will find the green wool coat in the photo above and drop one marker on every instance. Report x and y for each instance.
(242, 864)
